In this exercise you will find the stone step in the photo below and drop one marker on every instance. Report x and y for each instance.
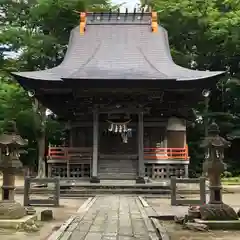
(117, 160)
(117, 169)
(107, 169)
(116, 174)
(94, 192)
(119, 175)
(118, 165)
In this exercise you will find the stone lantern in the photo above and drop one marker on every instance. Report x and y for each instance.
(213, 167)
(10, 143)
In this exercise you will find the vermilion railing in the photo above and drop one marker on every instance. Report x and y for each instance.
(58, 153)
(166, 153)
(65, 153)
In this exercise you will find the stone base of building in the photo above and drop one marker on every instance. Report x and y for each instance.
(140, 180)
(94, 180)
(163, 171)
(155, 171)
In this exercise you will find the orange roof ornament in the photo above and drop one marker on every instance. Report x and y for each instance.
(154, 22)
(83, 21)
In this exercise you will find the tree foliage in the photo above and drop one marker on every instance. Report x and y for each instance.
(34, 36)
(205, 35)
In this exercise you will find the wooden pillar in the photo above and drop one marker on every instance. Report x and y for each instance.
(186, 170)
(94, 177)
(71, 132)
(141, 166)
(49, 170)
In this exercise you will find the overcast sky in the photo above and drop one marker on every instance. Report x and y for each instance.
(130, 4)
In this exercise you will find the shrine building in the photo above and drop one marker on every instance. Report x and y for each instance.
(125, 102)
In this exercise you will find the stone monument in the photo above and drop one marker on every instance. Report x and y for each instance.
(10, 143)
(213, 167)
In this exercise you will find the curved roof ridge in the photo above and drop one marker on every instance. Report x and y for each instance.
(112, 52)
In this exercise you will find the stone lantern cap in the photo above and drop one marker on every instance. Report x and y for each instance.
(213, 129)
(11, 136)
(12, 139)
(214, 140)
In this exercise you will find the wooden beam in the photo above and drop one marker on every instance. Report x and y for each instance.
(132, 124)
(95, 143)
(141, 168)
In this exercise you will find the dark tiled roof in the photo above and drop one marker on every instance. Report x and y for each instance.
(118, 50)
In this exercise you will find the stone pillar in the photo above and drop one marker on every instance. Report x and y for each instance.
(141, 166)
(94, 177)
(186, 170)
(8, 186)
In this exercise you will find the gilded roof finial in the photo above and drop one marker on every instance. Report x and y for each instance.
(154, 22)
(83, 20)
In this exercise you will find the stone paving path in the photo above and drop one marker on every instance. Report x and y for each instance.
(112, 218)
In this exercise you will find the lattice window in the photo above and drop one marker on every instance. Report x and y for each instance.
(75, 171)
(86, 170)
(80, 171)
(148, 170)
(59, 171)
(176, 171)
(160, 171)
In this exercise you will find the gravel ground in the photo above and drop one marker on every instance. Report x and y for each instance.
(162, 206)
(61, 214)
(177, 233)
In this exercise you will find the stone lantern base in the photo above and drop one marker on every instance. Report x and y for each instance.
(11, 210)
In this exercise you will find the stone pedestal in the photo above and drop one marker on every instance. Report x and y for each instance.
(140, 180)
(11, 210)
(218, 212)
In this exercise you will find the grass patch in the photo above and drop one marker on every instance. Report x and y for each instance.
(231, 181)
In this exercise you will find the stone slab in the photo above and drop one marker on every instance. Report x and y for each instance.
(70, 224)
(15, 223)
(160, 229)
(220, 225)
(112, 218)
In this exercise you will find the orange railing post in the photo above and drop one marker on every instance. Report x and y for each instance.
(186, 149)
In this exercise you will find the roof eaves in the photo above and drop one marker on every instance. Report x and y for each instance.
(205, 76)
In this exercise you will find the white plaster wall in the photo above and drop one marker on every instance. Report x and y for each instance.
(176, 124)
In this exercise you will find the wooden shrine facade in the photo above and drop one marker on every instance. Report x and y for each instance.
(155, 149)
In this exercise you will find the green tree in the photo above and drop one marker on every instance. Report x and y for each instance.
(38, 31)
(205, 35)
